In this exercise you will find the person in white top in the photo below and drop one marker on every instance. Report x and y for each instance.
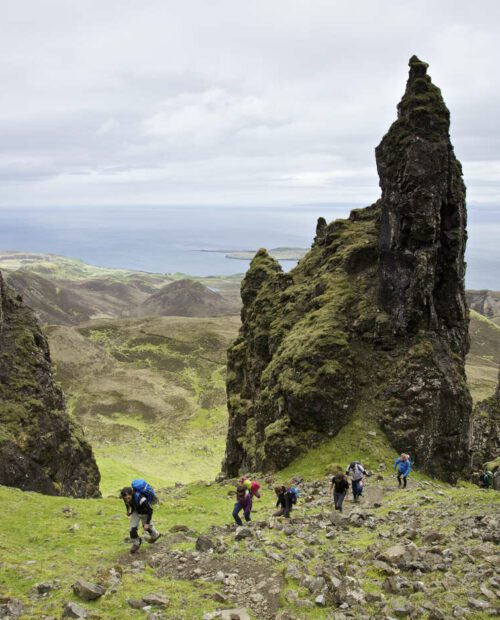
(357, 472)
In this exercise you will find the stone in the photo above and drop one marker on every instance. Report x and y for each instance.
(157, 600)
(136, 603)
(320, 600)
(234, 614)
(73, 610)
(204, 543)
(243, 532)
(87, 591)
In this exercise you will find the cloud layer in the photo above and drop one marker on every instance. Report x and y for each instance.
(225, 102)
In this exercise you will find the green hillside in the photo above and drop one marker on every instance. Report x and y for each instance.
(447, 535)
(483, 360)
(150, 394)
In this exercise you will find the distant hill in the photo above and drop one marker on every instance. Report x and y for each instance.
(64, 291)
(185, 298)
(148, 391)
(486, 303)
(483, 359)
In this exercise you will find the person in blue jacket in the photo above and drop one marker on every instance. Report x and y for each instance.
(403, 466)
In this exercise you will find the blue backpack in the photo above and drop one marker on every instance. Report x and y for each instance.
(294, 494)
(140, 486)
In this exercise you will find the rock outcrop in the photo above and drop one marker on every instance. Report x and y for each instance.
(372, 321)
(41, 449)
(485, 430)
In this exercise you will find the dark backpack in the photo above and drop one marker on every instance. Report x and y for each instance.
(141, 487)
(293, 494)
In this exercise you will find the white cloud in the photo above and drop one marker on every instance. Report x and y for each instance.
(212, 103)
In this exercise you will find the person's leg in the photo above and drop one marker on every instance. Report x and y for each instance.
(355, 489)
(247, 511)
(340, 501)
(236, 516)
(134, 534)
(154, 534)
(336, 500)
(405, 479)
(399, 479)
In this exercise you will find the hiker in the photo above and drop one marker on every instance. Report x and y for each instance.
(252, 485)
(403, 466)
(339, 485)
(243, 502)
(285, 501)
(139, 509)
(357, 472)
(486, 479)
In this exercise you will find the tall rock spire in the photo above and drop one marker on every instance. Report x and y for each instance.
(423, 220)
(372, 322)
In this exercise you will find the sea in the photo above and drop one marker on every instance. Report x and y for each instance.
(195, 239)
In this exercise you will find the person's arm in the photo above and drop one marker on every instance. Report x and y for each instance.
(396, 463)
(408, 468)
(146, 509)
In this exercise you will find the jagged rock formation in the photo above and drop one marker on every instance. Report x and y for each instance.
(184, 298)
(485, 430)
(41, 449)
(485, 302)
(372, 321)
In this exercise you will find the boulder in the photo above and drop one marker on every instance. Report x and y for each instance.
(87, 591)
(204, 543)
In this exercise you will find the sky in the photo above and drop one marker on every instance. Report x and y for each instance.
(232, 102)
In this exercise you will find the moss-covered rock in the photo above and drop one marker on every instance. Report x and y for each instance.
(373, 319)
(485, 430)
(41, 449)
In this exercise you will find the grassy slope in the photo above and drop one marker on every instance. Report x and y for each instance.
(149, 393)
(64, 539)
(484, 357)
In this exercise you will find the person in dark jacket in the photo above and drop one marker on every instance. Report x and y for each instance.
(284, 501)
(243, 502)
(139, 509)
(339, 485)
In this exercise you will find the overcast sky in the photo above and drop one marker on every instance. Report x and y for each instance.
(232, 101)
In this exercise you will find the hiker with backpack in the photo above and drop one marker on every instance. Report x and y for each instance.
(339, 485)
(252, 485)
(403, 466)
(139, 499)
(243, 502)
(357, 472)
(286, 498)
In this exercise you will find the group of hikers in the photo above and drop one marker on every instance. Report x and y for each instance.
(140, 497)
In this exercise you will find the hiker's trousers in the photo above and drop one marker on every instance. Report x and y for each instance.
(338, 500)
(246, 512)
(135, 519)
(357, 488)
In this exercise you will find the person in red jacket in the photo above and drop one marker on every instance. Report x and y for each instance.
(243, 502)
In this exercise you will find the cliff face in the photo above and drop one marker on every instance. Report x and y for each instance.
(485, 430)
(372, 321)
(41, 449)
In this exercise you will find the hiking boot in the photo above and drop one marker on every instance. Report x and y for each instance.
(153, 539)
(135, 547)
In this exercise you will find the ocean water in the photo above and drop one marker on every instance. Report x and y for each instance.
(175, 239)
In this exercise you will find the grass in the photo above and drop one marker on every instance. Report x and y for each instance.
(150, 394)
(57, 539)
